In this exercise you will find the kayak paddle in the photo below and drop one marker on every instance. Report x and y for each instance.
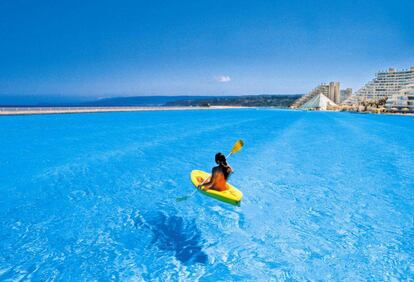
(237, 147)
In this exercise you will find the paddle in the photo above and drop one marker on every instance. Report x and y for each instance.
(236, 147)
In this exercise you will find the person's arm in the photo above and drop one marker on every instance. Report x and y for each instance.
(211, 181)
(231, 169)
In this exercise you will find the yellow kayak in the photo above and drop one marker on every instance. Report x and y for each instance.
(232, 195)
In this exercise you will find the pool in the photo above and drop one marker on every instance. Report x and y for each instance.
(327, 196)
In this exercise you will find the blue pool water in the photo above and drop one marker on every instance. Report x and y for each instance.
(327, 196)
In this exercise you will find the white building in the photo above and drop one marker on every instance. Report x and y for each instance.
(403, 101)
(384, 85)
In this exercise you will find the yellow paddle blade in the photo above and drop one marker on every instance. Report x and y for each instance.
(239, 144)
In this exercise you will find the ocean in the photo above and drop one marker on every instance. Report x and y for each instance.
(327, 196)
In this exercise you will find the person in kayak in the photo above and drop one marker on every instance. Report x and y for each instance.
(219, 175)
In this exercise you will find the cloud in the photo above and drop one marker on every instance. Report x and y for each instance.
(223, 78)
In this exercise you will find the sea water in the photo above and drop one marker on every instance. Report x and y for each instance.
(327, 196)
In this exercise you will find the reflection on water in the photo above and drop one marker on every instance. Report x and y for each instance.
(172, 233)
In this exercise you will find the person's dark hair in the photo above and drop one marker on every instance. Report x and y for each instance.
(222, 162)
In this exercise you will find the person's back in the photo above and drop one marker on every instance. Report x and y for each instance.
(220, 181)
(219, 175)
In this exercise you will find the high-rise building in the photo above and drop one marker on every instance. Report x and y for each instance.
(384, 85)
(334, 91)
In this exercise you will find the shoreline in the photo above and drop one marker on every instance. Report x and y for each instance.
(11, 111)
(374, 113)
(15, 111)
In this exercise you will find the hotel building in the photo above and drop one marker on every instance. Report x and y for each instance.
(384, 85)
(403, 101)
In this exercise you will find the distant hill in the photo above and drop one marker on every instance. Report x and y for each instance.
(67, 101)
(149, 101)
(280, 101)
(142, 100)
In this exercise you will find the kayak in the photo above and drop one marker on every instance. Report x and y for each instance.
(232, 195)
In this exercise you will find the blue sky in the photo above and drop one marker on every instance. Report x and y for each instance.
(110, 48)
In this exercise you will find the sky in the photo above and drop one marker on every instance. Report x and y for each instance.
(216, 47)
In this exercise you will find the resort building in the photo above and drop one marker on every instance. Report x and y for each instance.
(403, 101)
(386, 84)
(330, 91)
